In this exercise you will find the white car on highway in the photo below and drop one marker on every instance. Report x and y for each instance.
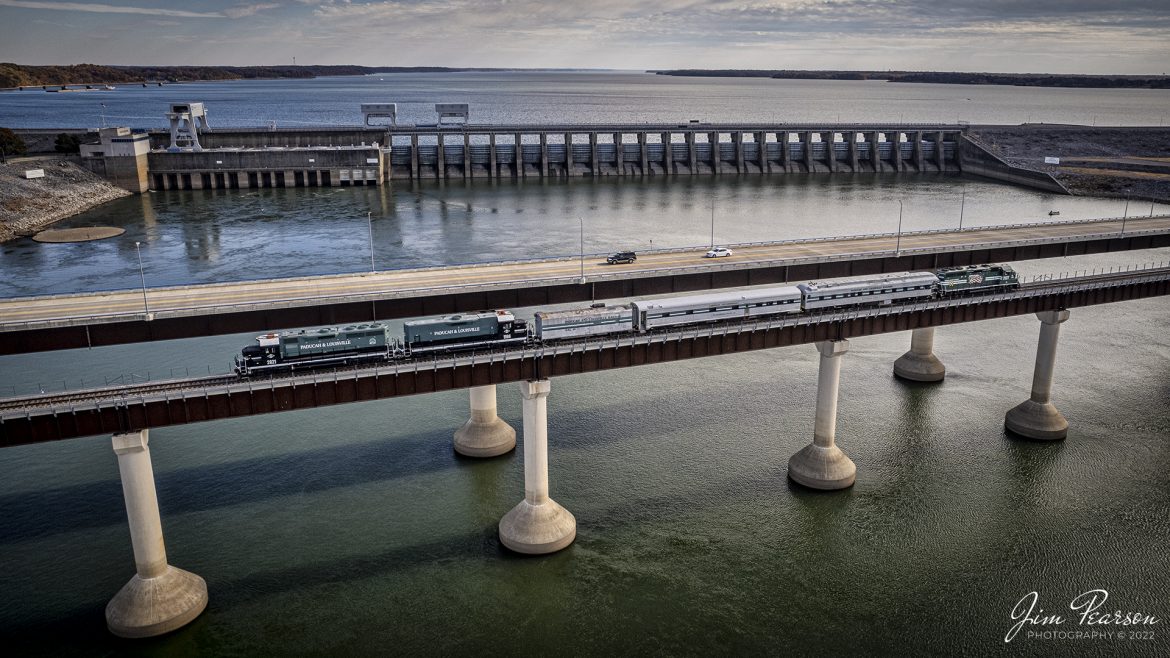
(717, 252)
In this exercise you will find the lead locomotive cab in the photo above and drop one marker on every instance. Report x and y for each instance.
(266, 352)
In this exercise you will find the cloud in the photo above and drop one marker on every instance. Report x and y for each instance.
(107, 9)
(249, 10)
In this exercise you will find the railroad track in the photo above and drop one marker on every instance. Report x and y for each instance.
(105, 394)
(91, 395)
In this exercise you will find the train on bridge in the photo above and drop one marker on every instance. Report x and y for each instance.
(374, 342)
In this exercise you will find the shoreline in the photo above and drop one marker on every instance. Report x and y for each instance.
(28, 206)
(1044, 80)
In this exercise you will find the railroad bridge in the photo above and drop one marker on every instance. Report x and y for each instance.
(161, 597)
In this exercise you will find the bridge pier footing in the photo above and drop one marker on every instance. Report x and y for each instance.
(1036, 417)
(920, 364)
(538, 524)
(159, 598)
(485, 434)
(821, 464)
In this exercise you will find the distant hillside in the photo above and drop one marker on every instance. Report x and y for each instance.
(944, 77)
(19, 75)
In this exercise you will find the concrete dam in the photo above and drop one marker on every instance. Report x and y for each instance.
(193, 156)
(467, 152)
(242, 158)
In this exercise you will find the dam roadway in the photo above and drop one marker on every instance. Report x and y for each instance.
(31, 324)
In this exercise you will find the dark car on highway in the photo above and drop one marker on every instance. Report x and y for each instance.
(621, 257)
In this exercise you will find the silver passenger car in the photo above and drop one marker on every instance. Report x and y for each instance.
(654, 313)
(578, 322)
(880, 289)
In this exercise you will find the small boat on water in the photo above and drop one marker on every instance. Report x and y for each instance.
(1053, 212)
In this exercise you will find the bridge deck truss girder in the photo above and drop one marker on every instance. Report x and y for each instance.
(463, 371)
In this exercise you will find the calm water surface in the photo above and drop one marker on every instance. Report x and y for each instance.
(356, 529)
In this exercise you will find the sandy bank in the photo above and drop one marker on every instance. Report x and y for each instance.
(26, 206)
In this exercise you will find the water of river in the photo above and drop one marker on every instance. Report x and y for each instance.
(356, 530)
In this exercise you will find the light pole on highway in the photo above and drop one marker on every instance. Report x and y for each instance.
(142, 276)
(898, 244)
(712, 222)
(581, 222)
(370, 221)
(1125, 214)
(962, 207)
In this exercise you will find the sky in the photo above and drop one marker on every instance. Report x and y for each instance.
(1023, 36)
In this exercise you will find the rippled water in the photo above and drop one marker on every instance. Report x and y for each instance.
(587, 96)
(355, 529)
(209, 236)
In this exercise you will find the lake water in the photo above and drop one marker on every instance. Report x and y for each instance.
(356, 529)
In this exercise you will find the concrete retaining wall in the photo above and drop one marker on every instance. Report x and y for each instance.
(976, 160)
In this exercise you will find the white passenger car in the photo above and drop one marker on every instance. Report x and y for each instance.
(655, 313)
(717, 252)
(874, 290)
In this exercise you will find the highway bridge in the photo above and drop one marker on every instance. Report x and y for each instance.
(33, 324)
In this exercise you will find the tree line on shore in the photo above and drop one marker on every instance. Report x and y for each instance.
(20, 75)
(943, 77)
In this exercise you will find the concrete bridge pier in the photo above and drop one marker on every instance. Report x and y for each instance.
(619, 158)
(667, 154)
(716, 156)
(593, 162)
(872, 140)
(493, 159)
(920, 364)
(414, 157)
(940, 160)
(568, 154)
(159, 598)
(485, 434)
(821, 464)
(544, 155)
(810, 162)
(537, 525)
(692, 153)
(519, 166)
(828, 139)
(737, 141)
(643, 156)
(762, 152)
(467, 173)
(1037, 417)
